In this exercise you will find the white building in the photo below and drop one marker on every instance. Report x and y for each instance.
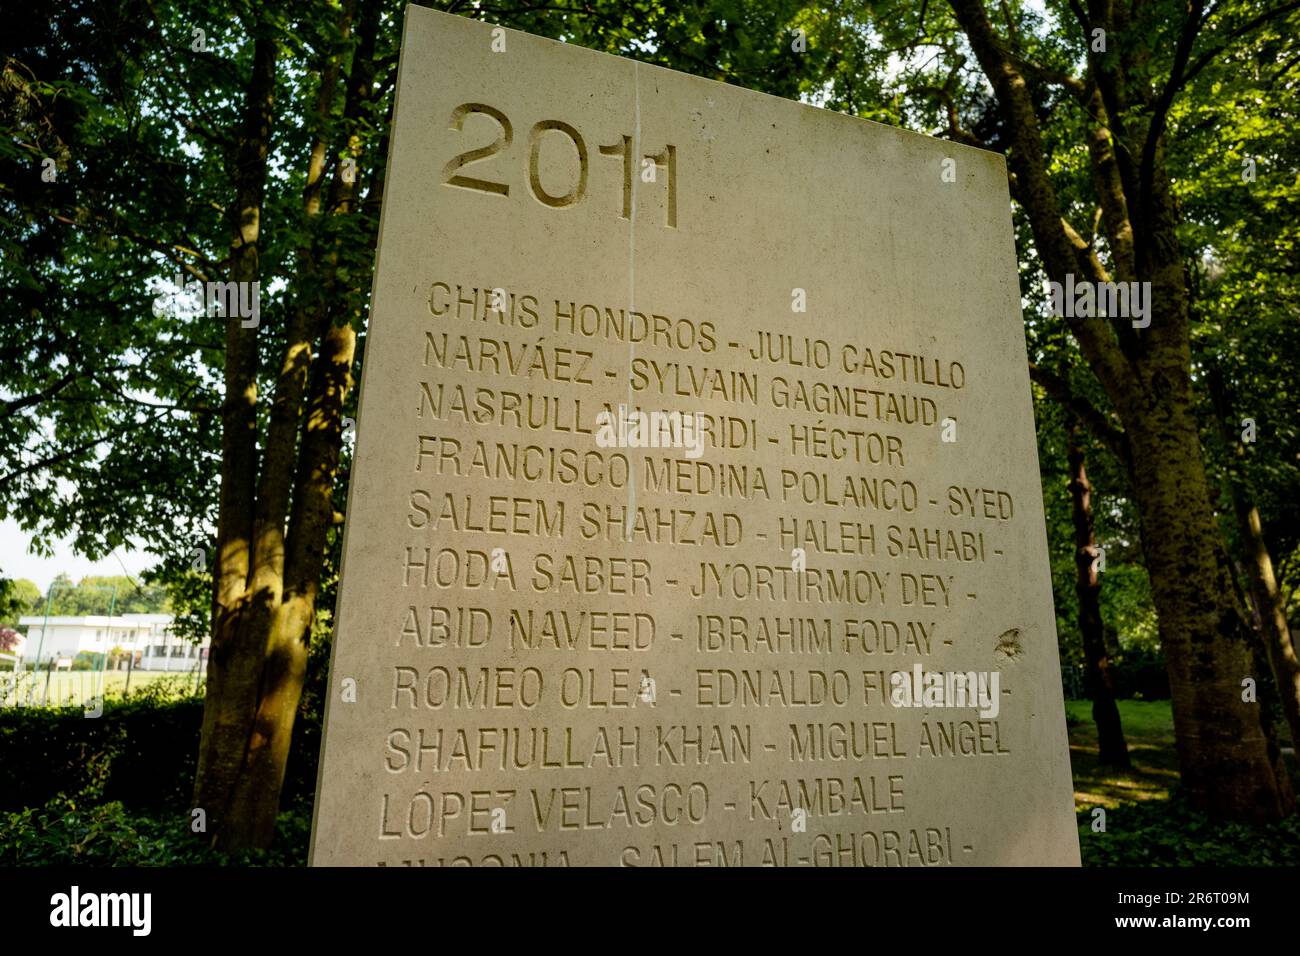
(148, 638)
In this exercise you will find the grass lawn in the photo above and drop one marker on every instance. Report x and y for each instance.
(1146, 822)
(1149, 729)
(75, 688)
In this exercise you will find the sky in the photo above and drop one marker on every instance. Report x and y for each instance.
(17, 562)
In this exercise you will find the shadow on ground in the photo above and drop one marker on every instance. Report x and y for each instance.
(1149, 729)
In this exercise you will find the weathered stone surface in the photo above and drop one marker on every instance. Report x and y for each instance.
(557, 646)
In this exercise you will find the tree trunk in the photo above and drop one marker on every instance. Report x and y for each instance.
(1230, 764)
(1272, 616)
(1229, 761)
(1269, 610)
(266, 580)
(1112, 748)
(234, 663)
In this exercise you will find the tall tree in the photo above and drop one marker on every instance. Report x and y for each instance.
(1229, 762)
(1080, 97)
(1246, 325)
(276, 502)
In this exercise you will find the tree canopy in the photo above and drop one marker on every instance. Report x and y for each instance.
(155, 143)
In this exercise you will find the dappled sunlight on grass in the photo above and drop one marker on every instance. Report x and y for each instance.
(1146, 822)
(1149, 730)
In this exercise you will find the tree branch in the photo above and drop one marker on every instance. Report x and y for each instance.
(1035, 191)
(1204, 60)
(1160, 113)
(18, 404)
(1101, 426)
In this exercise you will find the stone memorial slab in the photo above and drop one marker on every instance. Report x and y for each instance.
(695, 516)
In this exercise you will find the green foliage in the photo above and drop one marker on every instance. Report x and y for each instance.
(115, 790)
(1140, 674)
(17, 598)
(189, 596)
(141, 751)
(1169, 833)
(72, 832)
(97, 595)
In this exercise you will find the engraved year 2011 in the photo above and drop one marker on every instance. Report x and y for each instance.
(452, 172)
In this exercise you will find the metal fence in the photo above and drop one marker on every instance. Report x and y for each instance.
(45, 687)
(1072, 682)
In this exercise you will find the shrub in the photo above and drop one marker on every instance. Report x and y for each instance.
(115, 790)
(1139, 673)
(1170, 833)
(141, 751)
(67, 831)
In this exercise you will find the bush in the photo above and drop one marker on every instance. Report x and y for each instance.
(65, 831)
(142, 752)
(1170, 833)
(1139, 673)
(115, 790)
